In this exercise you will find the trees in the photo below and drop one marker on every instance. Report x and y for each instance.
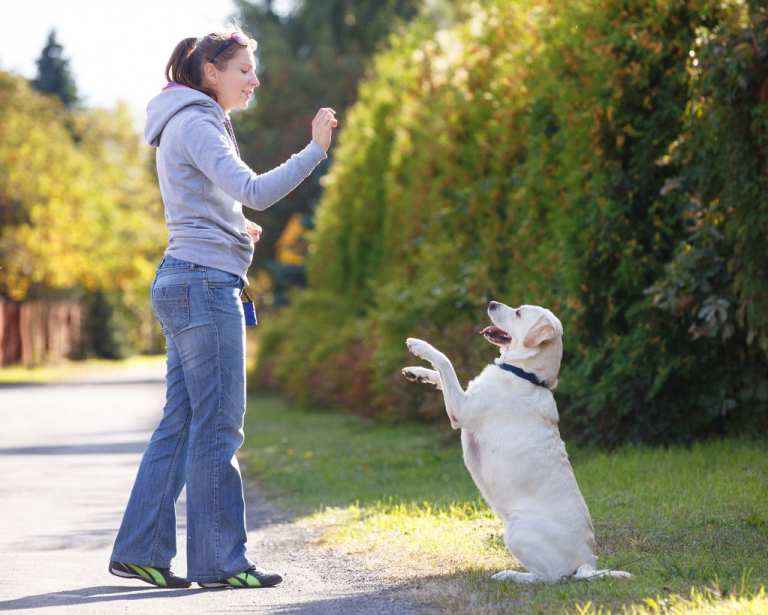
(310, 58)
(53, 74)
(79, 208)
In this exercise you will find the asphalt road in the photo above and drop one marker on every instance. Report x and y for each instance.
(68, 457)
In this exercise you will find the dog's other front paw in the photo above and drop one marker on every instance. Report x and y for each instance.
(412, 373)
(421, 348)
(421, 374)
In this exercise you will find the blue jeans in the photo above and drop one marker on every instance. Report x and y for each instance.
(201, 315)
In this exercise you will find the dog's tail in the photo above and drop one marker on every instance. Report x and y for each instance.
(588, 573)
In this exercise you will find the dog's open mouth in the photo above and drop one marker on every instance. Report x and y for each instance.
(496, 335)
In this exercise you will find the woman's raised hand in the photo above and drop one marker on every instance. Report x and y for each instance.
(322, 127)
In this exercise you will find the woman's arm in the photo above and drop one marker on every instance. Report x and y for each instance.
(210, 150)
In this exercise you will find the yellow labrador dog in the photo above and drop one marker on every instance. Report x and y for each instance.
(512, 446)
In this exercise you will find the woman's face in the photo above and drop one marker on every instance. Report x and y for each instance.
(234, 85)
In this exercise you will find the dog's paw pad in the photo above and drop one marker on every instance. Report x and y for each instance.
(416, 374)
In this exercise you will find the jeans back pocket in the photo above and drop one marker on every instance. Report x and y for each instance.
(171, 304)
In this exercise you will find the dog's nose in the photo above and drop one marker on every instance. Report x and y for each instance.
(493, 305)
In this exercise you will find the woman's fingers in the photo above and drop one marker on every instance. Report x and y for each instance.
(253, 229)
(322, 125)
(325, 116)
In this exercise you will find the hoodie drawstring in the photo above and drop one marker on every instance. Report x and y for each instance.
(231, 132)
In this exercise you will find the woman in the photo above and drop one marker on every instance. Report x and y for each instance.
(196, 299)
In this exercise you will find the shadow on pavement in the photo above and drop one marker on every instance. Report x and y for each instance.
(89, 595)
(21, 385)
(94, 383)
(108, 383)
(119, 448)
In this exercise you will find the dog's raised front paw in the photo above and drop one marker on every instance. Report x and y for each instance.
(420, 348)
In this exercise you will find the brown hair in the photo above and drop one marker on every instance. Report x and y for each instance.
(191, 55)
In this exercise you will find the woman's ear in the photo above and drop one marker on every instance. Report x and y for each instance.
(211, 74)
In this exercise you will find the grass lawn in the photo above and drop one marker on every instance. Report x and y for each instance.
(691, 525)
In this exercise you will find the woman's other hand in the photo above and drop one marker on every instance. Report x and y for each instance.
(253, 229)
(322, 127)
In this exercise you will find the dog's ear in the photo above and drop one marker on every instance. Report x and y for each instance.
(542, 331)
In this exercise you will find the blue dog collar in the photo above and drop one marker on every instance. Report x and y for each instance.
(522, 374)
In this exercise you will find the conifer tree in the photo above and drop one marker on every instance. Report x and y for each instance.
(53, 74)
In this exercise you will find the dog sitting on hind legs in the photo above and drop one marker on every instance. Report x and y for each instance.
(512, 446)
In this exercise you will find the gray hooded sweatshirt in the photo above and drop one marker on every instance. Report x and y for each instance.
(204, 184)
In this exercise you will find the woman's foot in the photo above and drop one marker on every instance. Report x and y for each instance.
(159, 577)
(253, 577)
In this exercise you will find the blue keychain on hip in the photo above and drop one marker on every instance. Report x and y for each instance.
(249, 309)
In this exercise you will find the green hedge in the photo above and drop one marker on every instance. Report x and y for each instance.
(605, 159)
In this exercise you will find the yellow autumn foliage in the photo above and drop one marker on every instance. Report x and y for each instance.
(79, 206)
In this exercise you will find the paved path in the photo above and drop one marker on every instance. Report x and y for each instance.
(68, 457)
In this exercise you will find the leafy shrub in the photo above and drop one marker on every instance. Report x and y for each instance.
(551, 155)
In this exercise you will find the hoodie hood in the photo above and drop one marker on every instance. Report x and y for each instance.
(172, 100)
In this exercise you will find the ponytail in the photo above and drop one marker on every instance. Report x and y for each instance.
(186, 67)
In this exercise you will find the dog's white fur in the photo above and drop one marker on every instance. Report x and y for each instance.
(512, 446)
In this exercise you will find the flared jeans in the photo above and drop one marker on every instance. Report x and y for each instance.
(201, 315)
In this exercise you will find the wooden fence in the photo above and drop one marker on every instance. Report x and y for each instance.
(32, 332)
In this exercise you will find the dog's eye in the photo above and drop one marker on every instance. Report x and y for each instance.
(517, 312)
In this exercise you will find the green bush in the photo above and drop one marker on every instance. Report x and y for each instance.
(554, 155)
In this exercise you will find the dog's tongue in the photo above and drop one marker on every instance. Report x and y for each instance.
(491, 329)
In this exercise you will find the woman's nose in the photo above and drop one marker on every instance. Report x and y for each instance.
(255, 81)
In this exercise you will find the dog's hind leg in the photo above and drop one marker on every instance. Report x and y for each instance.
(421, 374)
(516, 577)
(588, 573)
(545, 547)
